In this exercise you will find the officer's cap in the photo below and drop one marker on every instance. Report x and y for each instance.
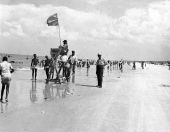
(99, 55)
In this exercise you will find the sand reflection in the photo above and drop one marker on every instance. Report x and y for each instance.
(33, 92)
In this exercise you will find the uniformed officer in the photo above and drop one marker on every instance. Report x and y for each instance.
(134, 66)
(121, 65)
(99, 70)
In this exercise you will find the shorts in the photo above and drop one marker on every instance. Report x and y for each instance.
(34, 67)
(5, 80)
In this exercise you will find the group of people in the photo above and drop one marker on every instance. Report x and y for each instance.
(115, 65)
(48, 64)
(62, 62)
(143, 65)
(119, 65)
(67, 65)
(101, 63)
(85, 63)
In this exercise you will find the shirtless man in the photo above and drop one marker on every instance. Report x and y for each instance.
(34, 64)
(47, 67)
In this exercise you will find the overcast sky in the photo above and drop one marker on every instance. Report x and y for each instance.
(128, 29)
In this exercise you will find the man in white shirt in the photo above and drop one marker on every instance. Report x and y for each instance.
(64, 60)
(72, 61)
(5, 71)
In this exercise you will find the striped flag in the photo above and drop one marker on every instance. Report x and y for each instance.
(53, 20)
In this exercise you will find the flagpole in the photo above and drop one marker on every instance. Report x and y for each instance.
(59, 30)
(59, 33)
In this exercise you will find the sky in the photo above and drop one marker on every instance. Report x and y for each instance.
(118, 29)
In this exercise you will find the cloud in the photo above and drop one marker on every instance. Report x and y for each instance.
(29, 20)
(145, 24)
(94, 2)
(138, 26)
(5, 34)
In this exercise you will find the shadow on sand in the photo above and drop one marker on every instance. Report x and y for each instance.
(164, 85)
(84, 85)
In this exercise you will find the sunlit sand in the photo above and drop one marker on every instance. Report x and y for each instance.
(132, 101)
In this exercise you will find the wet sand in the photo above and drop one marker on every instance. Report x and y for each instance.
(132, 101)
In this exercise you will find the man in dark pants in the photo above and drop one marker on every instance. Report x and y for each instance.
(72, 60)
(47, 67)
(64, 60)
(5, 72)
(169, 65)
(134, 66)
(34, 64)
(121, 65)
(142, 64)
(99, 70)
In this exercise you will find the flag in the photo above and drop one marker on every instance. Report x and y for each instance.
(53, 20)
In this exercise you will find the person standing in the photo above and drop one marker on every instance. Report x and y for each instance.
(47, 67)
(121, 65)
(64, 49)
(108, 65)
(134, 66)
(64, 60)
(88, 66)
(52, 68)
(34, 64)
(99, 70)
(142, 64)
(72, 60)
(168, 64)
(5, 70)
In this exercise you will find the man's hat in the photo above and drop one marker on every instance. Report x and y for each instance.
(99, 54)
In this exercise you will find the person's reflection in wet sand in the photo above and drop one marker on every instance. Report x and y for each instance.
(47, 92)
(57, 86)
(33, 92)
(60, 91)
(73, 78)
(87, 73)
(62, 88)
(4, 107)
(71, 86)
(52, 91)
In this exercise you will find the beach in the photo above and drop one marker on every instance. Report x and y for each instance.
(85, 66)
(132, 101)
